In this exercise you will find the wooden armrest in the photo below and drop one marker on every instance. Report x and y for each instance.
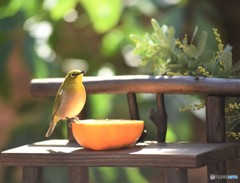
(147, 154)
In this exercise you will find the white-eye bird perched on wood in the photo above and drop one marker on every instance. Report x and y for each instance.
(70, 99)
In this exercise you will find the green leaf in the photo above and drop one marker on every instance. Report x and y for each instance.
(31, 7)
(136, 39)
(171, 37)
(11, 8)
(159, 36)
(141, 44)
(236, 68)
(194, 34)
(227, 59)
(111, 42)
(193, 51)
(61, 8)
(155, 25)
(196, 51)
(103, 14)
(202, 41)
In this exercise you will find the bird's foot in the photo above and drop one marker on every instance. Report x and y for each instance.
(72, 120)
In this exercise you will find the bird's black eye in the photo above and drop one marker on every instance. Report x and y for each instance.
(73, 75)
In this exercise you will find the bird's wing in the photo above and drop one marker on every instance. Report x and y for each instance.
(57, 101)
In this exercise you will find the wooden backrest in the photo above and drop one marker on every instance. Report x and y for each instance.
(215, 90)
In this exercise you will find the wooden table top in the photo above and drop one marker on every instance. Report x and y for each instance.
(147, 154)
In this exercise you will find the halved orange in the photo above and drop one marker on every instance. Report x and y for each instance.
(107, 134)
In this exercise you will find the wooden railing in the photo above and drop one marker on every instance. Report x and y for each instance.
(144, 84)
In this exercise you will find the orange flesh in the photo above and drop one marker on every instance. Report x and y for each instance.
(107, 134)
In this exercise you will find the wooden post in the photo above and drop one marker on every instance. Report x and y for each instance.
(134, 113)
(32, 174)
(78, 175)
(215, 126)
(215, 119)
(177, 175)
(159, 118)
(133, 108)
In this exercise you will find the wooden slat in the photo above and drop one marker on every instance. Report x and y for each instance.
(144, 84)
(148, 154)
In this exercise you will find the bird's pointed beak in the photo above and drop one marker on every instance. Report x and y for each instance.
(82, 72)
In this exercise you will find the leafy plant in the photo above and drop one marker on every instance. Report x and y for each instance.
(166, 55)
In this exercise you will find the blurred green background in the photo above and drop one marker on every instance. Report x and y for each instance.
(47, 38)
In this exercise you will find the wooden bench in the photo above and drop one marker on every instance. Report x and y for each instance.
(175, 157)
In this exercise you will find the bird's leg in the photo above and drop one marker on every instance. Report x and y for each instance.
(72, 120)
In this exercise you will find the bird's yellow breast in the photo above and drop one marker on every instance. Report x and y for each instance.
(72, 102)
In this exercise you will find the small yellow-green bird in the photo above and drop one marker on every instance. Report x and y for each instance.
(70, 99)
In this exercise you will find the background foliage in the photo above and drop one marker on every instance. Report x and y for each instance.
(47, 38)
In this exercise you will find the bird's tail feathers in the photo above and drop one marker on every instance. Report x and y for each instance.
(51, 128)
